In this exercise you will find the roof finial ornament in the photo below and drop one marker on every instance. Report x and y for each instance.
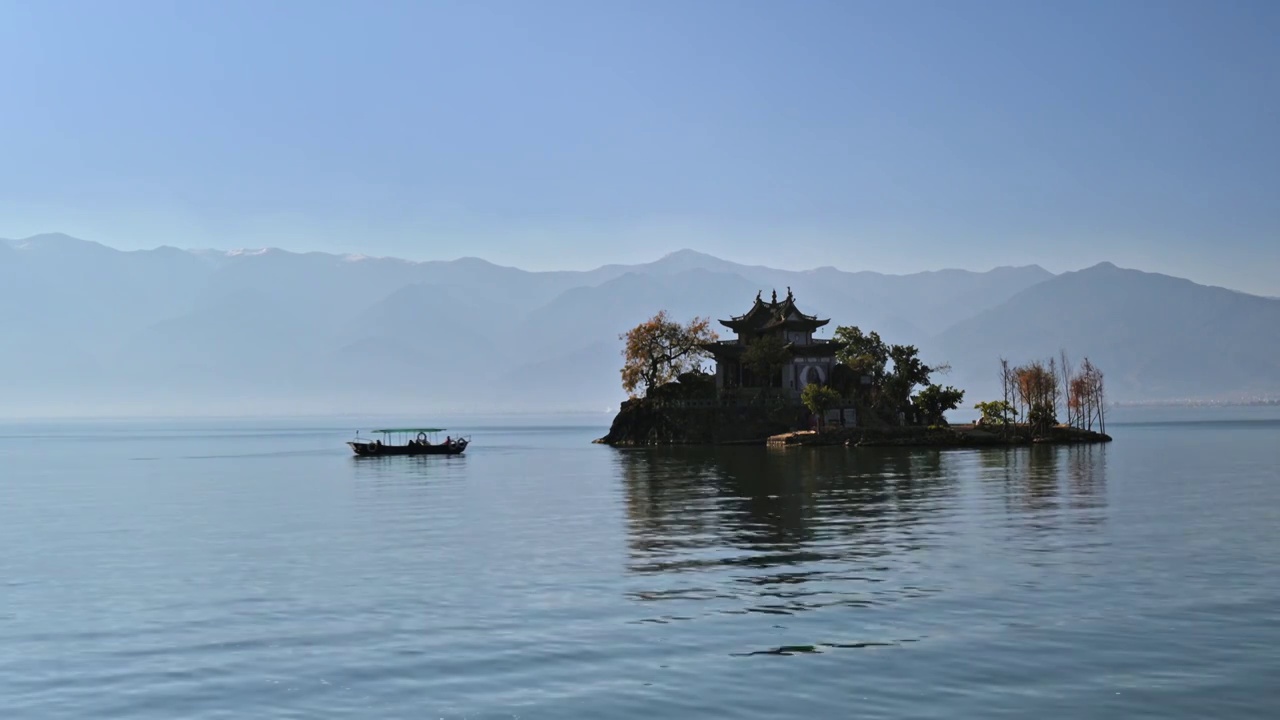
(775, 296)
(758, 294)
(789, 293)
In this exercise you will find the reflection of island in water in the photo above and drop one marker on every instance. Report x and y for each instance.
(769, 504)
(779, 531)
(1045, 477)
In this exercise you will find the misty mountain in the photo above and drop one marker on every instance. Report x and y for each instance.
(917, 304)
(1156, 337)
(94, 330)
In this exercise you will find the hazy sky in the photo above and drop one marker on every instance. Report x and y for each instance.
(892, 136)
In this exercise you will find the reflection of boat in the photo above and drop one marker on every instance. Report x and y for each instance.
(424, 442)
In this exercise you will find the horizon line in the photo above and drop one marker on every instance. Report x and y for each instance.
(357, 256)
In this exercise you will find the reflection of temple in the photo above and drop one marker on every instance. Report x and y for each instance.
(779, 518)
(779, 507)
(811, 360)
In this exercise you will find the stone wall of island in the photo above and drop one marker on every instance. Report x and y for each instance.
(938, 436)
(686, 413)
(645, 422)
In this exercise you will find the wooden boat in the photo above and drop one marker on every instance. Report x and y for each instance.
(413, 441)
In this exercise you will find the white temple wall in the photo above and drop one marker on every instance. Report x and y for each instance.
(797, 375)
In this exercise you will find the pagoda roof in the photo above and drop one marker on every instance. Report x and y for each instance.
(734, 349)
(772, 315)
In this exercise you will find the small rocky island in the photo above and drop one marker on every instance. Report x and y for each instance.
(775, 384)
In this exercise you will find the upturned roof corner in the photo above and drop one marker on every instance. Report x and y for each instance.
(775, 313)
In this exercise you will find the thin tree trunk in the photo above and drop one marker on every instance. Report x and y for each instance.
(1004, 386)
(1102, 406)
(1066, 384)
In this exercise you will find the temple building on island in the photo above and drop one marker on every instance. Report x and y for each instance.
(811, 360)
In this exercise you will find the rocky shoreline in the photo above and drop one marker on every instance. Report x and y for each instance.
(642, 423)
(957, 436)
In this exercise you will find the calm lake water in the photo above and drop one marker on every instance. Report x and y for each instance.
(224, 569)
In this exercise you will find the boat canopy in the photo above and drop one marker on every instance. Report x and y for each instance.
(410, 430)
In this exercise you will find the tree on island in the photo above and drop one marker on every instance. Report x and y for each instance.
(908, 373)
(765, 357)
(934, 401)
(1086, 398)
(1037, 392)
(894, 372)
(864, 354)
(1037, 389)
(1010, 411)
(995, 412)
(660, 350)
(1064, 376)
(819, 399)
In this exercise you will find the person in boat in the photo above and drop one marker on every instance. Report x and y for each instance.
(448, 440)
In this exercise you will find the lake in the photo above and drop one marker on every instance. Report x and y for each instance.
(236, 569)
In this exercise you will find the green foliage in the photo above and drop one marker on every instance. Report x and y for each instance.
(693, 385)
(864, 354)
(1042, 416)
(765, 357)
(908, 372)
(819, 398)
(845, 380)
(934, 400)
(907, 365)
(895, 371)
(996, 412)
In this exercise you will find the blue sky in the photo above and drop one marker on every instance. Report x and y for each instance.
(892, 136)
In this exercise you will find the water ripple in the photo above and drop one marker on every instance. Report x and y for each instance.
(543, 577)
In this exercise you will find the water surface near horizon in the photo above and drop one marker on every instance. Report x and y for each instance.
(217, 569)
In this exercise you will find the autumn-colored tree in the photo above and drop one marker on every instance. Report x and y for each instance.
(1037, 389)
(819, 399)
(1086, 397)
(1077, 400)
(660, 349)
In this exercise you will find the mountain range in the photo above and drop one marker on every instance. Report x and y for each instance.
(90, 330)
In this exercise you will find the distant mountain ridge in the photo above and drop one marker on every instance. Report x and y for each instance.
(93, 330)
(1156, 336)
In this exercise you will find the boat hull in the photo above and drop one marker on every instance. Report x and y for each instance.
(369, 449)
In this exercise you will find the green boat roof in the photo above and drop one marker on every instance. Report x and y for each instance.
(409, 430)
